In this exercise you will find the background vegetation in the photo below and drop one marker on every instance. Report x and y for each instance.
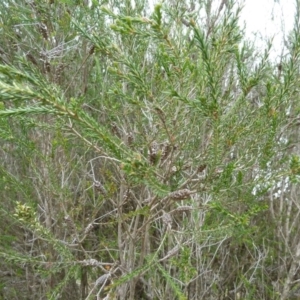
(147, 152)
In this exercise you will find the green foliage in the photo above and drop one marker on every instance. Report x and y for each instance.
(148, 145)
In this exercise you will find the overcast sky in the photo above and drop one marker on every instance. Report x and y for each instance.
(264, 19)
(268, 18)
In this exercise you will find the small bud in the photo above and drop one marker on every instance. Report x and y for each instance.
(173, 169)
(88, 228)
(165, 151)
(153, 153)
(130, 138)
(92, 49)
(99, 187)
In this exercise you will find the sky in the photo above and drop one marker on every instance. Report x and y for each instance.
(263, 19)
(268, 19)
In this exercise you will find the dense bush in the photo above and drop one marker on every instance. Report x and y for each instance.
(148, 152)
